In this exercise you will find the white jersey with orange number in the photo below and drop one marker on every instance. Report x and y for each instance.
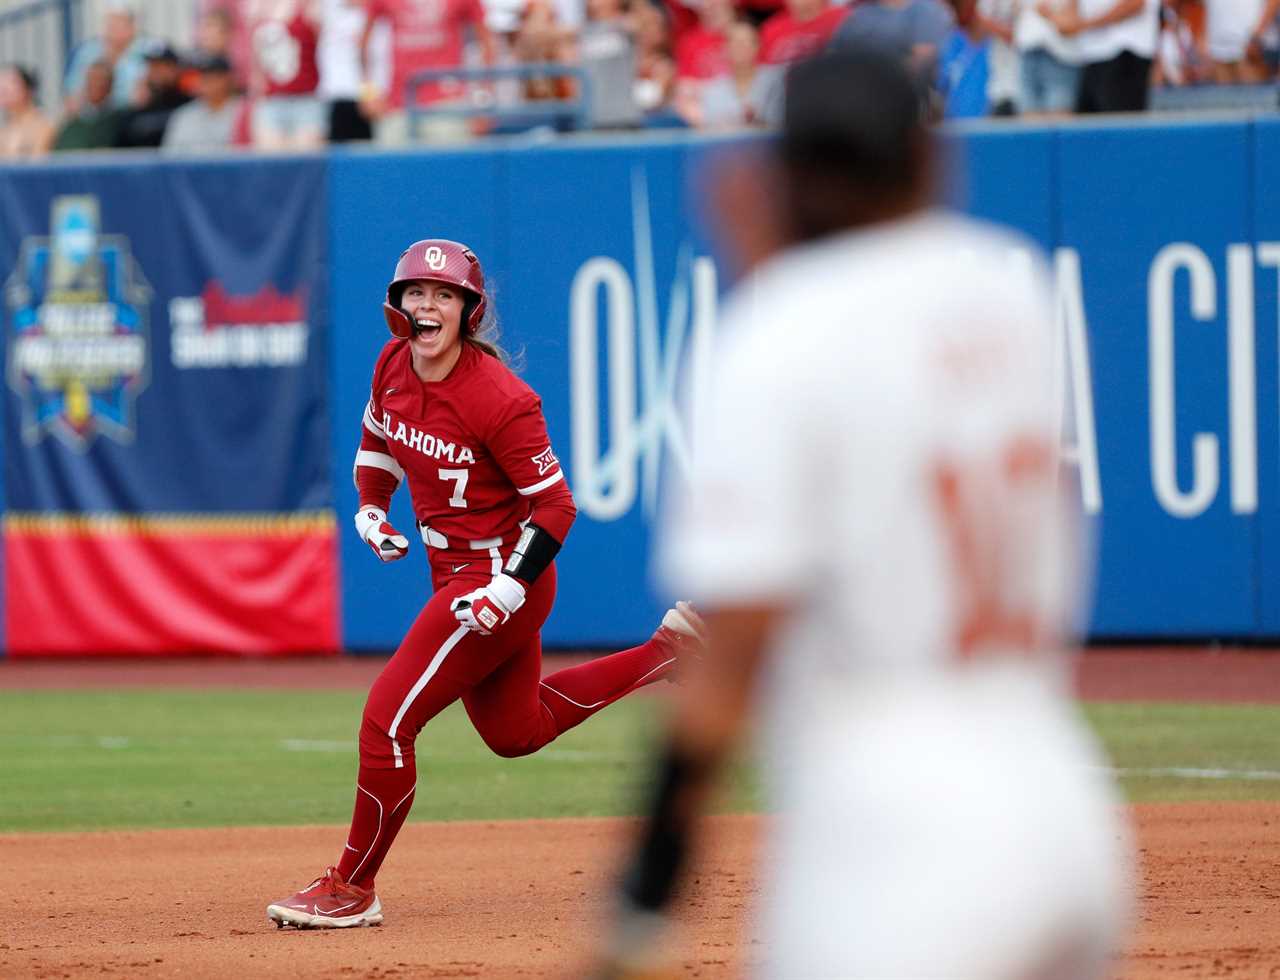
(877, 458)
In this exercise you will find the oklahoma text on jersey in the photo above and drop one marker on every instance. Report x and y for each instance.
(425, 442)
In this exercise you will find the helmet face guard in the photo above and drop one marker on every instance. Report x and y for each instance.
(440, 260)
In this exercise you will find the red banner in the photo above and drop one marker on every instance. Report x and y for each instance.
(160, 585)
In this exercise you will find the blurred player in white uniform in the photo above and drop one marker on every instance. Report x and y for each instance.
(876, 536)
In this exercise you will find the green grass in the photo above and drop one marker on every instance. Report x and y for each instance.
(81, 760)
(1142, 737)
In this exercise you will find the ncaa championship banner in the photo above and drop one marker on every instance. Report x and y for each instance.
(166, 473)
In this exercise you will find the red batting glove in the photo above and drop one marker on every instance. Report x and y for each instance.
(387, 543)
(488, 607)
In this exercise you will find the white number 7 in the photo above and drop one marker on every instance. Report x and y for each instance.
(459, 486)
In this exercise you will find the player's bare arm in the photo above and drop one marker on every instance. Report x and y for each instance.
(710, 715)
(712, 708)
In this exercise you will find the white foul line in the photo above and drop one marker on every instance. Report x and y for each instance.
(579, 755)
(1179, 772)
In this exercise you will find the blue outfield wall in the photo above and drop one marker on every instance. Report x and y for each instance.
(1165, 244)
(1165, 247)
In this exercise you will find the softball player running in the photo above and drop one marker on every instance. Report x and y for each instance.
(446, 415)
(876, 536)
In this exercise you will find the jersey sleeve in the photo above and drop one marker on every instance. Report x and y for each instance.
(376, 472)
(522, 449)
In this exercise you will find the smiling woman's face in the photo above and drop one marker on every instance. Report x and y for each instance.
(436, 311)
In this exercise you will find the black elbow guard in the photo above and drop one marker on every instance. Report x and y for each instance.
(532, 554)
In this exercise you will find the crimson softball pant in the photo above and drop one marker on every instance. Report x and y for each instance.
(498, 678)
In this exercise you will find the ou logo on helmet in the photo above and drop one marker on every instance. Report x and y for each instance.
(435, 257)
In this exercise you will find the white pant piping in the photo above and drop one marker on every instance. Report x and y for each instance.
(422, 682)
(378, 832)
(588, 707)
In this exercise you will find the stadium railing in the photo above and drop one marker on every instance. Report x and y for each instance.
(1204, 98)
(488, 96)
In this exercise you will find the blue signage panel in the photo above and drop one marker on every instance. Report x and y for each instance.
(1266, 272)
(1169, 326)
(607, 289)
(1004, 174)
(603, 279)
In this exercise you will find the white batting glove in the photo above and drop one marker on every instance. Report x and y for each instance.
(488, 607)
(387, 543)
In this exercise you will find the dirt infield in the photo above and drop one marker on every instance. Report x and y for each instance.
(1209, 895)
(523, 899)
(494, 900)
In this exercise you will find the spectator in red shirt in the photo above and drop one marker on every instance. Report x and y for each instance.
(288, 113)
(803, 29)
(682, 17)
(700, 51)
(700, 54)
(425, 34)
(746, 93)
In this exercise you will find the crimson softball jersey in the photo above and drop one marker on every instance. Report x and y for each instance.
(475, 452)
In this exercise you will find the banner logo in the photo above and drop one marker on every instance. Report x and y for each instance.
(545, 460)
(624, 354)
(217, 330)
(78, 337)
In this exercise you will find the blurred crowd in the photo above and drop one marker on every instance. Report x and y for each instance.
(1054, 57)
(297, 74)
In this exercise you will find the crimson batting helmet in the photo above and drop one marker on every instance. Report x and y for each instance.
(442, 261)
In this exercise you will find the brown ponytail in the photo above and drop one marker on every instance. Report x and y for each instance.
(486, 337)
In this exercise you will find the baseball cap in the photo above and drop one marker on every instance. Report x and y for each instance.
(210, 63)
(161, 51)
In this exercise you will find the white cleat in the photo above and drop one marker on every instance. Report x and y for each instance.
(683, 619)
(327, 903)
(684, 633)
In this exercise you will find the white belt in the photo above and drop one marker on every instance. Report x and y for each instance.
(434, 539)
